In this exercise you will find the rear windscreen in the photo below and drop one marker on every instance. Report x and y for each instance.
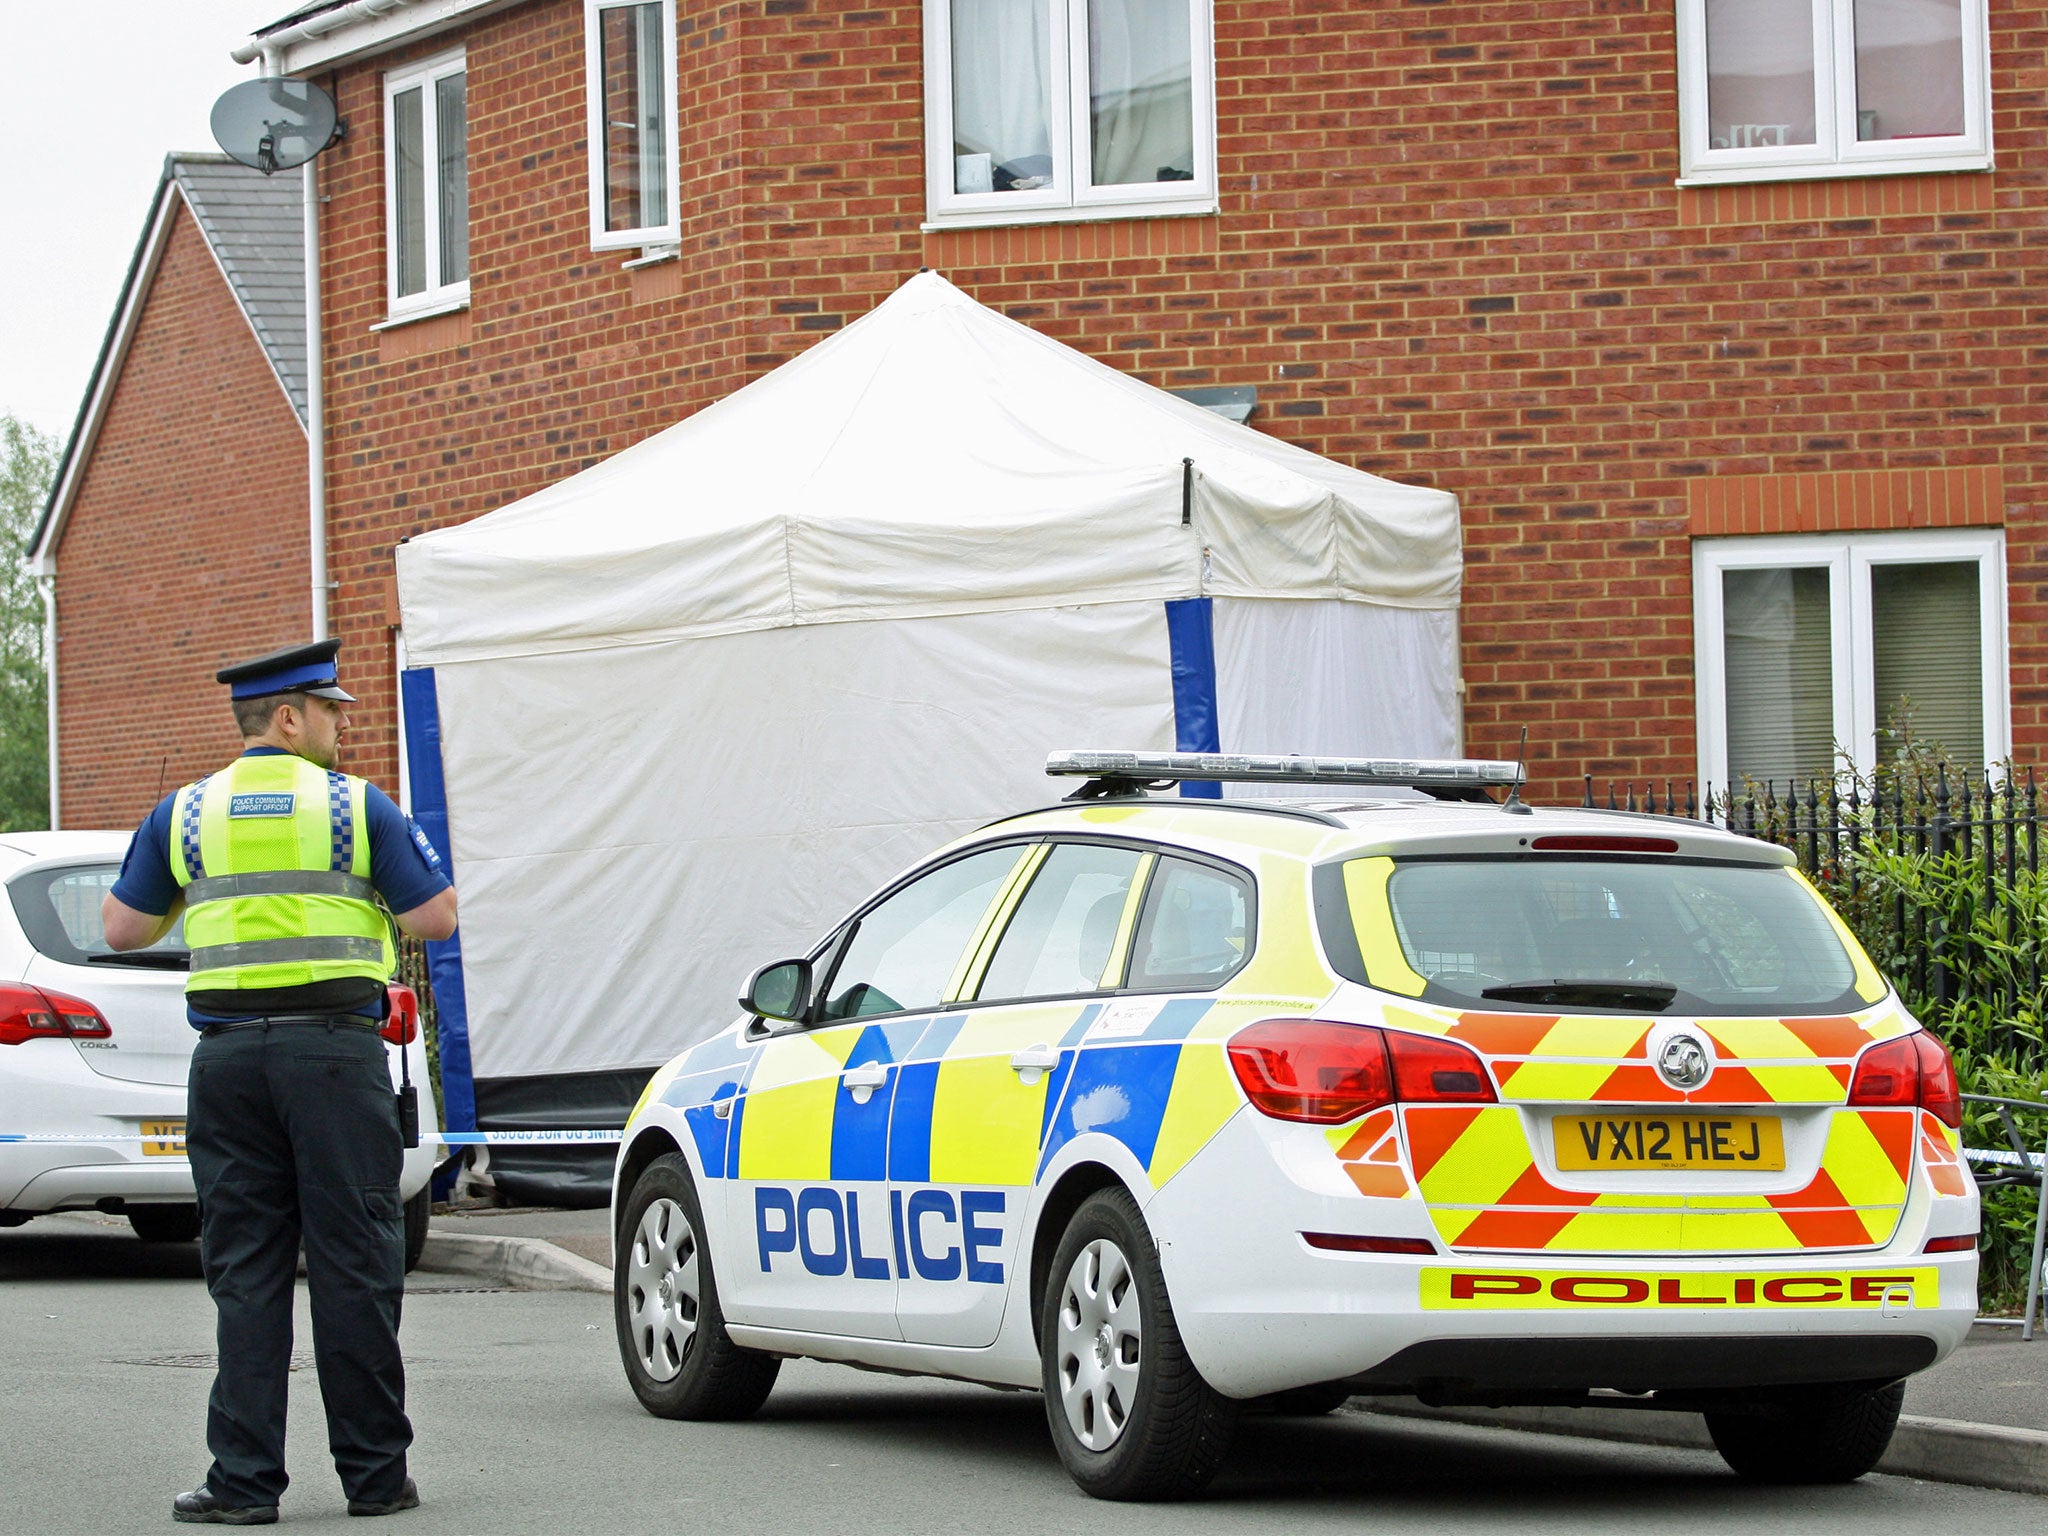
(59, 910)
(1636, 937)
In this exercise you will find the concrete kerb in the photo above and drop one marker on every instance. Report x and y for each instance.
(520, 1263)
(1935, 1450)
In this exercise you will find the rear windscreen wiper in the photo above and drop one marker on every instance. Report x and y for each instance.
(154, 959)
(1652, 996)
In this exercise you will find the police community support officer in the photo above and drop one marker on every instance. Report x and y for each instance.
(278, 863)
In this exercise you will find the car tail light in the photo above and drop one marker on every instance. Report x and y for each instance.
(402, 1025)
(1962, 1242)
(36, 1013)
(1911, 1070)
(1326, 1073)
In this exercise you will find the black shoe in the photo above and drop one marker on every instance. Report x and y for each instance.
(408, 1498)
(203, 1507)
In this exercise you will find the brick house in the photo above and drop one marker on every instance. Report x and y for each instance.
(1721, 317)
(175, 539)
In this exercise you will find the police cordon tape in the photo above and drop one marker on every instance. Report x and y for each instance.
(445, 1138)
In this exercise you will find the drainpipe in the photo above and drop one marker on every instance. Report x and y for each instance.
(316, 425)
(316, 421)
(47, 585)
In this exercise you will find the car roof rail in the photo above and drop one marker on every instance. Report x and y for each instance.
(1113, 775)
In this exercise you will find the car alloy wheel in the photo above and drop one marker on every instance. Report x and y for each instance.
(662, 1288)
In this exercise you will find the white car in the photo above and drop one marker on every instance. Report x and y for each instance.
(1168, 1107)
(95, 1044)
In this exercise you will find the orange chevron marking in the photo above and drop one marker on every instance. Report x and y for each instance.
(1514, 1229)
(1433, 1131)
(1503, 1034)
(1533, 1189)
(1370, 1130)
(1378, 1180)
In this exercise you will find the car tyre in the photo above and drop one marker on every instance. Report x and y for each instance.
(1131, 1416)
(418, 1211)
(680, 1360)
(164, 1223)
(1827, 1434)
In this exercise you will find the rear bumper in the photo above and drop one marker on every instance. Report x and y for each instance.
(1262, 1311)
(1490, 1369)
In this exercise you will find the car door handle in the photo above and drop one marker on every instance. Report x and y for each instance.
(864, 1080)
(1033, 1060)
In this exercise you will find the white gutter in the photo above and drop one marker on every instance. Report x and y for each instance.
(357, 30)
(47, 585)
(272, 45)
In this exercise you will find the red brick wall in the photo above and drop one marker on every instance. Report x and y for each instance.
(1449, 251)
(185, 549)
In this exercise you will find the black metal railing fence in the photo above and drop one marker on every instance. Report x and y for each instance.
(1940, 880)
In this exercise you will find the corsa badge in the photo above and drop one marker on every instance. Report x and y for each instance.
(1683, 1062)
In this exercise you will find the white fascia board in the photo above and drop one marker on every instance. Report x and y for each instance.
(42, 559)
(357, 35)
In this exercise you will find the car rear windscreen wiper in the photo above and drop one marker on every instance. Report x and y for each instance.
(1651, 996)
(154, 959)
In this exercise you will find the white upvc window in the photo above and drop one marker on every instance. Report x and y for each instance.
(629, 51)
(426, 186)
(1816, 653)
(1043, 110)
(1774, 90)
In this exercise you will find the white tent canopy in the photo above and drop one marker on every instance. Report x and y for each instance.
(932, 458)
(699, 698)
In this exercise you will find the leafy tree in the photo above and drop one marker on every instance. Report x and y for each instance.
(28, 463)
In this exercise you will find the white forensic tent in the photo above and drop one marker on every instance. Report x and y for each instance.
(698, 699)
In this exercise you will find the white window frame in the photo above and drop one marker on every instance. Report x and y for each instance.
(1848, 558)
(1068, 199)
(1837, 151)
(435, 298)
(671, 232)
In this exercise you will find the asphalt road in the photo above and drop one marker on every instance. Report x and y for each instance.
(525, 1425)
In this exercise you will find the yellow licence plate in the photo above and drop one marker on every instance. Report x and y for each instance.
(163, 1138)
(1646, 1142)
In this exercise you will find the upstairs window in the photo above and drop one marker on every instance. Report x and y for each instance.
(426, 186)
(630, 54)
(1790, 89)
(1063, 109)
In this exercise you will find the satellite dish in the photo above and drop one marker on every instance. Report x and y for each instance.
(274, 123)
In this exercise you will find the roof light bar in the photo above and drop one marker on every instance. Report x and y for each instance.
(1234, 768)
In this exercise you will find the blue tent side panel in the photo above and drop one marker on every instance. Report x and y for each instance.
(1191, 640)
(421, 707)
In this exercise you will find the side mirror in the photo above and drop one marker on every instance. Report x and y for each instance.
(781, 991)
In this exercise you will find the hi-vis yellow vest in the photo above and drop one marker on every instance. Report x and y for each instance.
(274, 856)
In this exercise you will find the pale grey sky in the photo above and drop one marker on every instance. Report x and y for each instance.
(93, 95)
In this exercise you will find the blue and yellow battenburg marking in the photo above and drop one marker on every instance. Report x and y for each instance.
(950, 1108)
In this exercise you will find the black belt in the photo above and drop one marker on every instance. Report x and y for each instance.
(332, 1020)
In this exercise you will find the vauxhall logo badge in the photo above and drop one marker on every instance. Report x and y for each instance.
(1684, 1063)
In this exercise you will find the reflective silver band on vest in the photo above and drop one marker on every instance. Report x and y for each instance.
(219, 957)
(281, 882)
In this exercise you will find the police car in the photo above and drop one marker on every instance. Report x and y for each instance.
(1176, 1107)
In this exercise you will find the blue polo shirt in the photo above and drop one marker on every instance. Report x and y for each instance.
(404, 868)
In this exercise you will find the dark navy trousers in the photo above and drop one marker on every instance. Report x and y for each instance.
(293, 1135)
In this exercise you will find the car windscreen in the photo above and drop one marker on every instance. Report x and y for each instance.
(59, 909)
(1554, 934)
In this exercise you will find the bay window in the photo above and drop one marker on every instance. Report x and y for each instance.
(1052, 109)
(1788, 89)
